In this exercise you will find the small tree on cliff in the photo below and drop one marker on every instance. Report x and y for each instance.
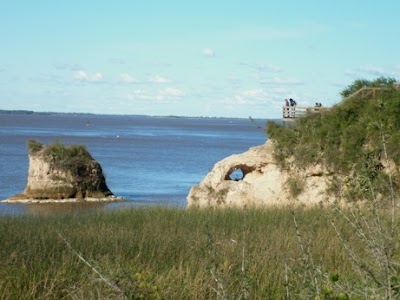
(359, 83)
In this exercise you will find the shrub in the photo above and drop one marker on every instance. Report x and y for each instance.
(348, 139)
(70, 158)
(34, 146)
(295, 186)
(359, 83)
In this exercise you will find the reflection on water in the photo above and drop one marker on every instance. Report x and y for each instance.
(43, 209)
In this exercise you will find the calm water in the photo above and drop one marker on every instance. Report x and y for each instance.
(147, 160)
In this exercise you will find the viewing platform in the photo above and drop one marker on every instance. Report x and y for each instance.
(293, 112)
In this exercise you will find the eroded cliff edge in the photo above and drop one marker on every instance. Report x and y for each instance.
(263, 182)
(60, 173)
(346, 154)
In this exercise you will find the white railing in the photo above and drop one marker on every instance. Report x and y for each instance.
(293, 112)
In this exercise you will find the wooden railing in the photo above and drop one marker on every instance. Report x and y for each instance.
(293, 112)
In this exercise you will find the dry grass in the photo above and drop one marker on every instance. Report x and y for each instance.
(173, 254)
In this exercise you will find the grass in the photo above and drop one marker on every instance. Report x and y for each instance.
(165, 253)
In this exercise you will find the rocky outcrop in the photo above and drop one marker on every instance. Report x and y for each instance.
(253, 178)
(59, 173)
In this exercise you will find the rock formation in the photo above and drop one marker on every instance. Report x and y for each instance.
(58, 173)
(261, 182)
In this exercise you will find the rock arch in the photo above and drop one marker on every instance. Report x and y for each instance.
(238, 172)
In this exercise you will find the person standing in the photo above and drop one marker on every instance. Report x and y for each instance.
(286, 109)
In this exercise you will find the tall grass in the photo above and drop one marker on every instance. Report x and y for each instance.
(165, 253)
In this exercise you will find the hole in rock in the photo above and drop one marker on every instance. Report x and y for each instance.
(236, 175)
(238, 172)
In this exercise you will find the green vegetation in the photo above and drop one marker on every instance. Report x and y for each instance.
(163, 253)
(64, 157)
(68, 158)
(352, 139)
(295, 186)
(19, 112)
(381, 82)
(34, 146)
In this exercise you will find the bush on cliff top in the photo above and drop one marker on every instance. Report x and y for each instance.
(359, 83)
(351, 138)
(64, 157)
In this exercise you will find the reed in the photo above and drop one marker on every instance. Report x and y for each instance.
(167, 253)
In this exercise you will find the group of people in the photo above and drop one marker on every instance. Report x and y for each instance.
(291, 112)
(290, 102)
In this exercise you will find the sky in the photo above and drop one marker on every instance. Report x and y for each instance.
(191, 58)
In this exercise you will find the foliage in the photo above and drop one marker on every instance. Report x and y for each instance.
(348, 139)
(164, 253)
(34, 146)
(295, 186)
(70, 158)
(360, 83)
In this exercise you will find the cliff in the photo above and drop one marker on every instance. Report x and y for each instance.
(62, 173)
(254, 178)
(348, 153)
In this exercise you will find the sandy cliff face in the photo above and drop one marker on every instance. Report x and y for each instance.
(47, 180)
(43, 178)
(262, 182)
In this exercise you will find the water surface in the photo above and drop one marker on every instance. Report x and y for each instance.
(146, 160)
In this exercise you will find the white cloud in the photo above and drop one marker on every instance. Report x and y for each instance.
(81, 75)
(268, 68)
(262, 68)
(159, 79)
(166, 95)
(127, 78)
(350, 72)
(280, 81)
(118, 61)
(85, 76)
(96, 77)
(241, 100)
(367, 70)
(139, 94)
(254, 93)
(268, 32)
(252, 99)
(372, 70)
(246, 97)
(172, 92)
(67, 66)
(208, 52)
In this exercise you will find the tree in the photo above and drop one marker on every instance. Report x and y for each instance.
(359, 83)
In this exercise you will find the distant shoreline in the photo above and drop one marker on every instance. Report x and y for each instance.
(31, 112)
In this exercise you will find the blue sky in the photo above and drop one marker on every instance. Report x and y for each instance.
(191, 58)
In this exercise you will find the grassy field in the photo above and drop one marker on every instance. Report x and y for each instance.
(167, 253)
